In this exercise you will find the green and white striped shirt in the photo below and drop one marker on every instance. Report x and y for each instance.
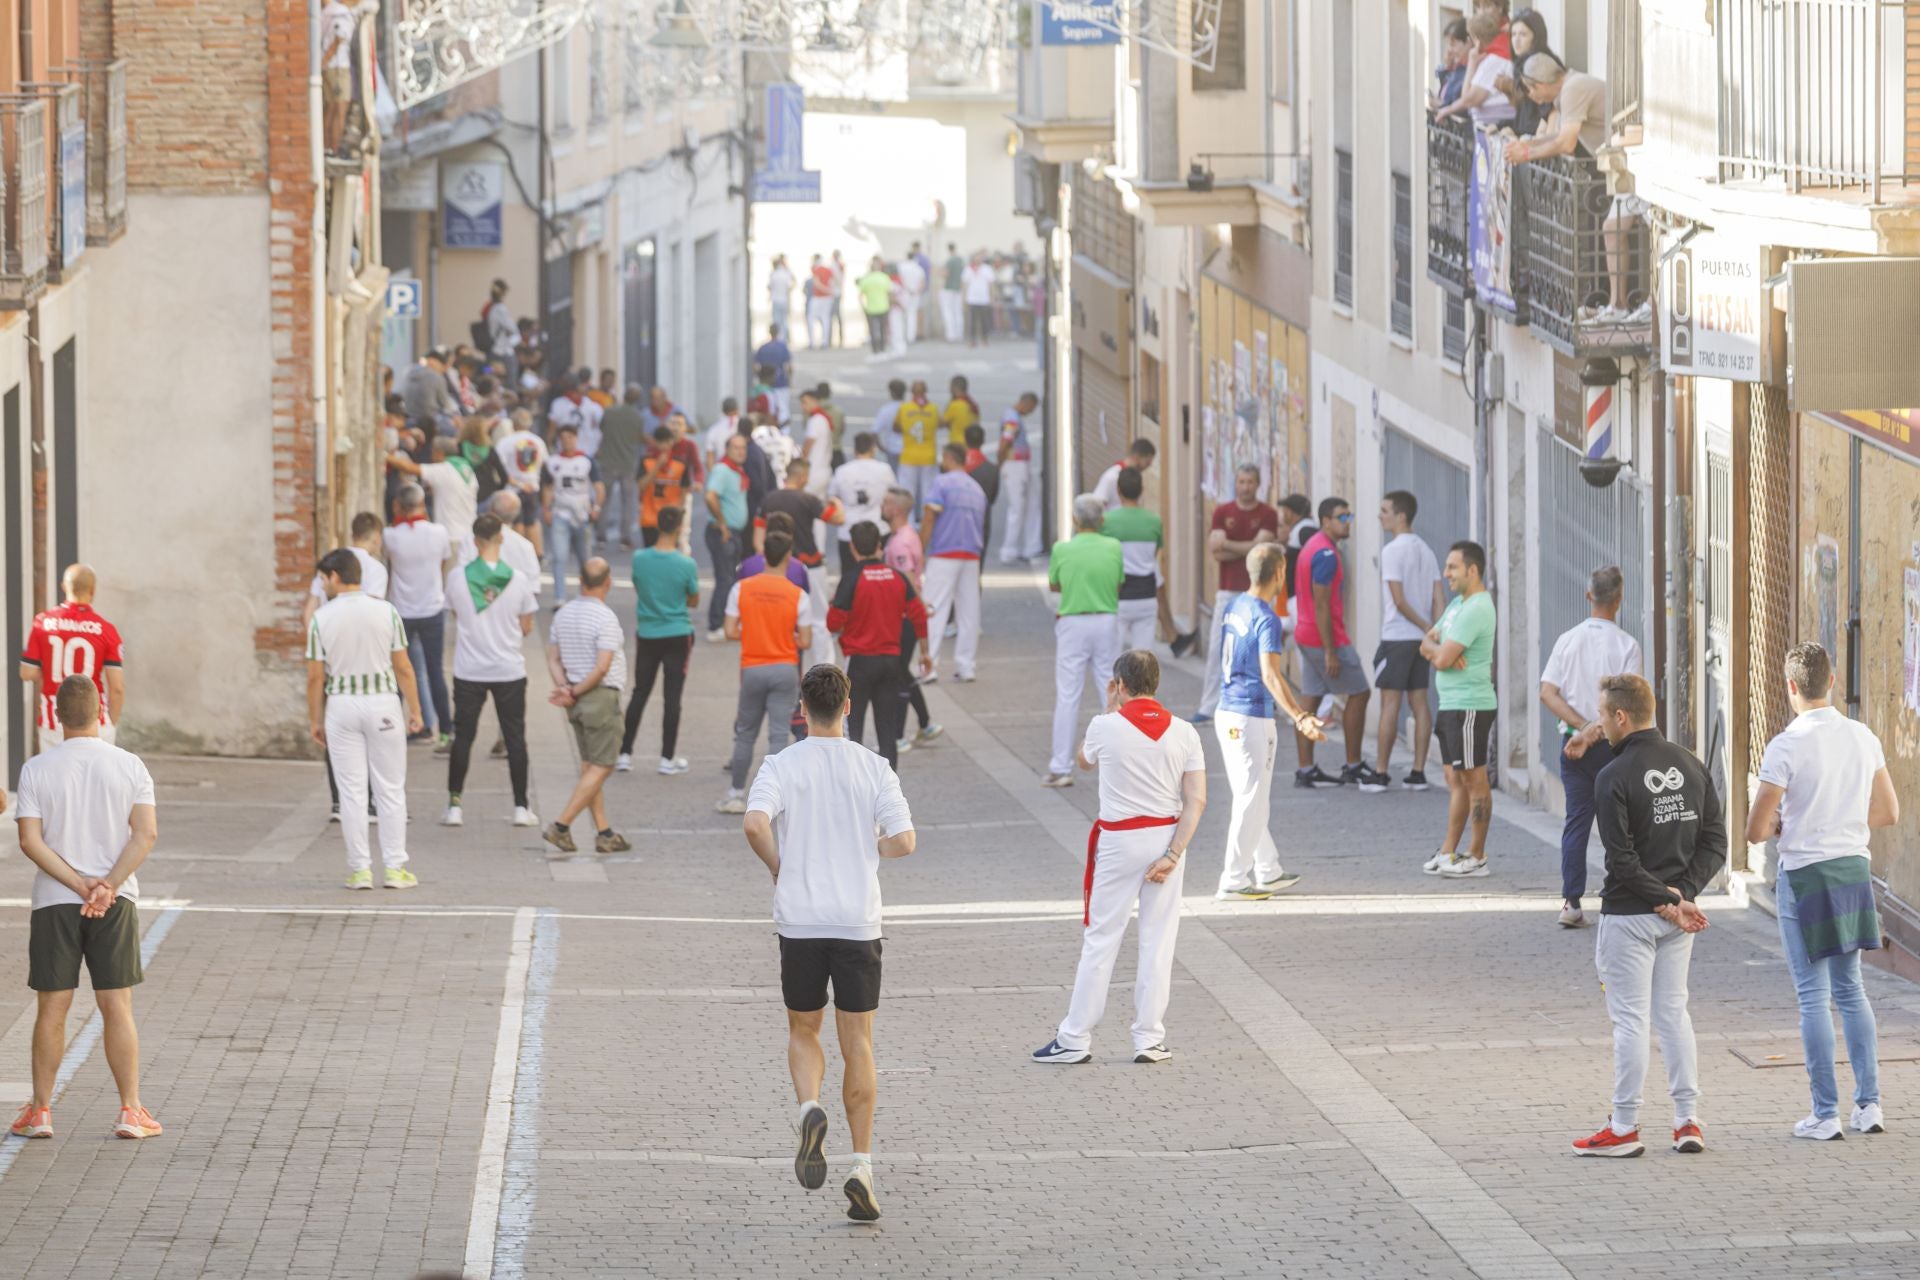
(356, 636)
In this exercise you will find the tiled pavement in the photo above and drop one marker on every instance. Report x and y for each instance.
(1376, 1077)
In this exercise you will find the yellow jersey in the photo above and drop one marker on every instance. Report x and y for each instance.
(958, 416)
(918, 424)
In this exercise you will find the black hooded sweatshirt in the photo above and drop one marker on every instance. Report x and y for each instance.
(1661, 823)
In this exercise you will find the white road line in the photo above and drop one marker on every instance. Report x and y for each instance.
(518, 1185)
(483, 1223)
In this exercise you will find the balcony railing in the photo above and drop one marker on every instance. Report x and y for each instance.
(1579, 256)
(1818, 94)
(1624, 62)
(23, 235)
(1449, 177)
(103, 103)
(66, 209)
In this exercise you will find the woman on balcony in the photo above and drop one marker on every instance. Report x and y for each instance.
(1529, 36)
(1480, 100)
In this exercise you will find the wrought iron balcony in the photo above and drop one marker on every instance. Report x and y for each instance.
(103, 104)
(23, 208)
(1577, 256)
(66, 205)
(1449, 178)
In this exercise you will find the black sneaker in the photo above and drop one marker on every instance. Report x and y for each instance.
(1415, 781)
(1368, 780)
(1183, 645)
(1316, 777)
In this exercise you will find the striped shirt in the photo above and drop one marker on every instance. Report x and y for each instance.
(583, 629)
(356, 636)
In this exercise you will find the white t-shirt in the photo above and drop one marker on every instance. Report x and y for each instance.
(573, 476)
(1584, 656)
(336, 24)
(860, 485)
(1409, 561)
(373, 578)
(1825, 763)
(356, 637)
(418, 552)
(1496, 109)
(1139, 776)
(912, 278)
(825, 797)
(818, 444)
(1107, 489)
(522, 454)
(716, 437)
(456, 498)
(777, 445)
(976, 285)
(487, 643)
(514, 549)
(584, 415)
(83, 791)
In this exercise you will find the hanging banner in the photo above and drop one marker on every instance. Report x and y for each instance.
(784, 177)
(472, 197)
(1490, 223)
(1714, 305)
(1079, 22)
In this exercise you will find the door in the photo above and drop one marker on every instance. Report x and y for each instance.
(640, 303)
(1102, 433)
(1714, 603)
(559, 309)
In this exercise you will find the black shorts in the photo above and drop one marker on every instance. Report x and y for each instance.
(59, 937)
(1464, 738)
(853, 965)
(1397, 664)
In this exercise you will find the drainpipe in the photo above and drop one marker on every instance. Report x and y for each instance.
(1064, 443)
(320, 346)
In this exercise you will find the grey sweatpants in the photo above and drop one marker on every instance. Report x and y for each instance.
(1643, 963)
(770, 691)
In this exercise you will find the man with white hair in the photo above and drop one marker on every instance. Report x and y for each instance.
(1086, 571)
(516, 550)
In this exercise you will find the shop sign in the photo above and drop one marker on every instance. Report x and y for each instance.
(1079, 22)
(1713, 323)
(472, 199)
(1895, 430)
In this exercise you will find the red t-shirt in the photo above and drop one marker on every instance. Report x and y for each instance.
(1241, 524)
(71, 640)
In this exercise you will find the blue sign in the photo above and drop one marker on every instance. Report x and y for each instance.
(403, 299)
(471, 198)
(1490, 223)
(73, 194)
(786, 178)
(1079, 22)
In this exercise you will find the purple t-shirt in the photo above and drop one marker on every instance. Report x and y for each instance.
(959, 531)
(757, 563)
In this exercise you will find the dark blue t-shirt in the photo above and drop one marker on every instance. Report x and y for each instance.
(777, 357)
(1251, 628)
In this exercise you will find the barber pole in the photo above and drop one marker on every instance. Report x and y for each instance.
(1599, 423)
(1600, 461)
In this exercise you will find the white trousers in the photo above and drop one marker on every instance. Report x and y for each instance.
(1020, 510)
(367, 741)
(1247, 747)
(1139, 620)
(912, 317)
(1084, 647)
(821, 650)
(953, 590)
(1120, 880)
(819, 321)
(953, 316)
(1211, 677)
(778, 400)
(1643, 963)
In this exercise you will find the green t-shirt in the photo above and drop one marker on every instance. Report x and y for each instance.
(662, 581)
(1468, 621)
(1134, 524)
(876, 292)
(1087, 569)
(726, 482)
(956, 272)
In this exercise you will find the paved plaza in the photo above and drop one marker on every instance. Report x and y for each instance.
(549, 1066)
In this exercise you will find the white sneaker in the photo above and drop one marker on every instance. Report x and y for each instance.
(1868, 1119)
(525, 817)
(902, 745)
(732, 802)
(1461, 868)
(623, 763)
(717, 637)
(1432, 866)
(1572, 917)
(1818, 1130)
(675, 764)
(453, 817)
(1057, 780)
(861, 1206)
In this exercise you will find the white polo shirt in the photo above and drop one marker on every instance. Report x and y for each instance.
(1584, 656)
(1825, 763)
(417, 552)
(487, 645)
(373, 578)
(83, 791)
(1140, 777)
(826, 796)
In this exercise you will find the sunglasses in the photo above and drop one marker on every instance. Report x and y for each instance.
(1345, 518)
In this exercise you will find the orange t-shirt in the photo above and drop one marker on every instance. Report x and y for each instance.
(769, 608)
(668, 488)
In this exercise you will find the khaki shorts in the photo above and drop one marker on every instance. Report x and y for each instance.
(597, 725)
(337, 83)
(59, 937)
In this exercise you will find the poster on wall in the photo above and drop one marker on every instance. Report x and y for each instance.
(1714, 303)
(1209, 445)
(1490, 219)
(1910, 670)
(471, 198)
(1826, 591)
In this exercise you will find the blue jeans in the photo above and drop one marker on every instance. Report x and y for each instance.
(1577, 778)
(1821, 986)
(567, 541)
(426, 650)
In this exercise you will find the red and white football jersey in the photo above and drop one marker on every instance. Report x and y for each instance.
(71, 640)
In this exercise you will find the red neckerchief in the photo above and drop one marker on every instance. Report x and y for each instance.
(576, 397)
(1147, 715)
(734, 467)
(406, 520)
(974, 458)
(572, 453)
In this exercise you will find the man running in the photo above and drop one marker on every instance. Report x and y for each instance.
(666, 585)
(1142, 538)
(953, 530)
(1153, 788)
(73, 640)
(1823, 786)
(494, 604)
(419, 554)
(362, 702)
(1660, 821)
(1140, 456)
(825, 811)
(1253, 684)
(1236, 528)
(1085, 571)
(87, 822)
(773, 621)
(1329, 665)
(1570, 688)
(1019, 453)
(584, 650)
(1410, 601)
(905, 553)
(1460, 648)
(874, 606)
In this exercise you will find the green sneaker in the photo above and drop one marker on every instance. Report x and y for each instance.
(401, 878)
(359, 879)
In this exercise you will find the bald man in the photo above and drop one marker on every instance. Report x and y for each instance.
(73, 640)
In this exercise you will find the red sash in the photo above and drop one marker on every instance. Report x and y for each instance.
(1093, 844)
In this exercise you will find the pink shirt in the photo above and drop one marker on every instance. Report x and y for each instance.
(905, 552)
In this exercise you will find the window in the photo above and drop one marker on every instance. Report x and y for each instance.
(1280, 75)
(1453, 332)
(1230, 52)
(1343, 226)
(1403, 255)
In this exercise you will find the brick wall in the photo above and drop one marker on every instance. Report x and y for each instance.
(197, 78)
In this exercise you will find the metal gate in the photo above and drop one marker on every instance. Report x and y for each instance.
(1440, 484)
(1716, 585)
(1102, 427)
(1583, 529)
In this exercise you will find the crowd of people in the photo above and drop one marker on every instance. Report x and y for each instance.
(969, 298)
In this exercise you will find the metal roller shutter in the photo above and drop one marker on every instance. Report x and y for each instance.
(1101, 425)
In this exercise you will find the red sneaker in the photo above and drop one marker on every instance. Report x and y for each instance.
(1608, 1143)
(33, 1122)
(1688, 1140)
